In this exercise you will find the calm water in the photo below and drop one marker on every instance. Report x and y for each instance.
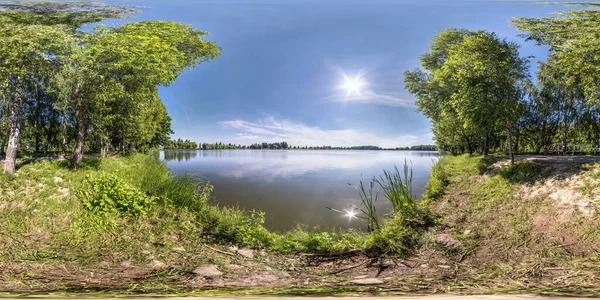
(295, 187)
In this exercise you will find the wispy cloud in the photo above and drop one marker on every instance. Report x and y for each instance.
(372, 97)
(270, 129)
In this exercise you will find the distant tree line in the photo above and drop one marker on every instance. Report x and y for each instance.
(419, 148)
(181, 144)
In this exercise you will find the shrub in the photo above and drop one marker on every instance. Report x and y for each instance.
(153, 177)
(438, 180)
(232, 225)
(107, 193)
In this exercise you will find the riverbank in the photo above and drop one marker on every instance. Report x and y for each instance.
(527, 228)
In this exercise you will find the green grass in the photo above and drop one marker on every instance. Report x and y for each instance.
(180, 214)
(44, 223)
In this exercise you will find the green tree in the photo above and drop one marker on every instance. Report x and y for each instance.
(28, 52)
(471, 87)
(139, 57)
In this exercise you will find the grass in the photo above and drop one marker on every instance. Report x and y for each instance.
(506, 231)
(54, 219)
(515, 230)
(181, 213)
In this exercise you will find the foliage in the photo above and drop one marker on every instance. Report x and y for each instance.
(106, 193)
(398, 190)
(96, 89)
(399, 235)
(233, 226)
(303, 240)
(438, 180)
(470, 88)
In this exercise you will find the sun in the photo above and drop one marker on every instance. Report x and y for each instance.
(353, 85)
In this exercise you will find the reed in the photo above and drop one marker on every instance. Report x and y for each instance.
(397, 188)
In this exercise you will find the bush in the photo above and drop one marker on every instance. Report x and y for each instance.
(231, 225)
(438, 180)
(107, 193)
(153, 177)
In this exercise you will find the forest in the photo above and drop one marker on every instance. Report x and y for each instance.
(64, 89)
(480, 97)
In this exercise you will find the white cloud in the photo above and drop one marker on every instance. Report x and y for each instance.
(271, 130)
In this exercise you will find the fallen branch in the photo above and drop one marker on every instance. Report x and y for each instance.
(220, 251)
(336, 254)
(350, 268)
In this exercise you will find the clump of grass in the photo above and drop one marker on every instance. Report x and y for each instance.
(437, 183)
(304, 240)
(398, 190)
(399, 233)
(226, 225)
(520, 172)
(367, 205)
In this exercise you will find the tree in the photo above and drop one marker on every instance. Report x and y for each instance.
(574, 41)
(488, 75)
(139, 57)
(472, 86)
(28, 51)
(35, 37)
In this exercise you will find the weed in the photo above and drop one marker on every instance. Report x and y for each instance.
(398, 190)
(437, 183)
(106, 193)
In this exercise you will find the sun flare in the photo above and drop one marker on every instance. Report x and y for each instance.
(353, 85)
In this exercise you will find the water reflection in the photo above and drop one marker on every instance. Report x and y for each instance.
(295, 186)
(170, 155)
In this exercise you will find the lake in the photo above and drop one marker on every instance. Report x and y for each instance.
(296, 186)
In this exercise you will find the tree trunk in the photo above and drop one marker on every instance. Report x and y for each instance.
(37, 139)
(486, 145)
(469, 145)
(64, 134)
(15, 127)
(564, 149)
(509, 141)
(517, 142)
(78, 152)
(542, 141)
(103, 148)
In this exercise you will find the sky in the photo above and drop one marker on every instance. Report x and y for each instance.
(282, 72)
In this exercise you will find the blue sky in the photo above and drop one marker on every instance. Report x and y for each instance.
(283, 62)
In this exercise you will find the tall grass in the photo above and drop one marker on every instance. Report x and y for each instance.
(438, 180)
(398, 189)
(367, 206)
